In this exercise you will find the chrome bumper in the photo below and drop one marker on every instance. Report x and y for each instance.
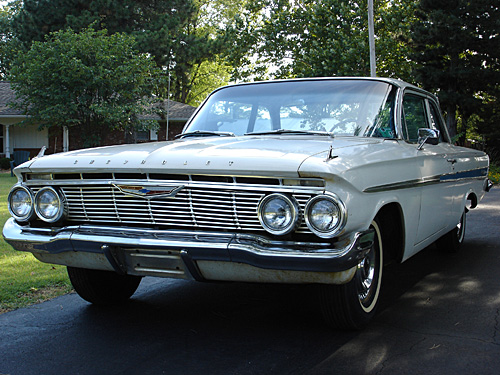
(185, 254)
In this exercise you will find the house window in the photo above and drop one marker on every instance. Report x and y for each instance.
(146, 135)
(142, 135)
(153, 135)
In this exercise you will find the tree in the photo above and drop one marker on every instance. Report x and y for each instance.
(308, 38)
(184, 37)
(155, 25)
(150, 22)
(457, 47)
(208, 76)
(196, 64)
(87, 80)
(9, 45)
(246, 37)
(487, 125)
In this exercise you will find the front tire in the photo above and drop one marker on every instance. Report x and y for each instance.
(103, 287)
(353, 305)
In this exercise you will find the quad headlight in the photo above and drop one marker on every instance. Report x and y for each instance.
(49, 206)
(325, 215)
(278, 214)
(21, 203)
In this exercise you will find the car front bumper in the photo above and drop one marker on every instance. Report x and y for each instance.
(201, 256)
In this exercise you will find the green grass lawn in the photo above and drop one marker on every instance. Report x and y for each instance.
(23, 279)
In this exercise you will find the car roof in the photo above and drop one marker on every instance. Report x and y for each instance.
(393, 81)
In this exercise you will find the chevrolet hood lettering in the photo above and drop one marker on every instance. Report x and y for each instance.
(250, 155)
(149, 192)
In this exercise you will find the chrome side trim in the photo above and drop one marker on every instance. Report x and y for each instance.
(403, 185)
(474, 174)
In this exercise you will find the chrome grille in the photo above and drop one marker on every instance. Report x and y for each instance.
(204, 207)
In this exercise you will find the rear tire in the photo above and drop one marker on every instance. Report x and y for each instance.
(351, 306)
(452, 241)
(103, 287)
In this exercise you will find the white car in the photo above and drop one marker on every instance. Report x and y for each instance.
(318, 181)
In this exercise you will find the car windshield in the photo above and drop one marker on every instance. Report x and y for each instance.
(336, 107)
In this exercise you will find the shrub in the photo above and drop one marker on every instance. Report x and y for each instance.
(494, 174)
(5, 163)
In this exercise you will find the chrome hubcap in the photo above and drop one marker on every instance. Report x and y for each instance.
(366, 273)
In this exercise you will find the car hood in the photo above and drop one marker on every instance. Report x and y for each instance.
(248, 155)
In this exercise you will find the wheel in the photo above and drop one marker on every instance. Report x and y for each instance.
(452, 241)
(103, 287)
(353, 305)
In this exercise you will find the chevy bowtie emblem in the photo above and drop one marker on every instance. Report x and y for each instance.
(149, 192)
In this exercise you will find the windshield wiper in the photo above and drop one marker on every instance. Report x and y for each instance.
(204, 133)
(290, 131)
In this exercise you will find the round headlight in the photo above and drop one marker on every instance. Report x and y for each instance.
(278, 214)
(48, 205)
(21, 203)
(325, 215)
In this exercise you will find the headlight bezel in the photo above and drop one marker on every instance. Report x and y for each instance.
(29, 215)
(61, 209)
(295, 213)
(342, 212)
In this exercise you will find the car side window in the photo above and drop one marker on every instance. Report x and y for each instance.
(414, 116)
(436, 121)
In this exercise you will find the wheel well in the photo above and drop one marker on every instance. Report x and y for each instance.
(391, 220)
(472, 197)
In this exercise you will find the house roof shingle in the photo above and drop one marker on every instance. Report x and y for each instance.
(176, 111)
(7, 96)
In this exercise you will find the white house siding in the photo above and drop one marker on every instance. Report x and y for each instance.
(27, 137)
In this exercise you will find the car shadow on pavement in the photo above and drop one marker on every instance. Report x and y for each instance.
(245, 327)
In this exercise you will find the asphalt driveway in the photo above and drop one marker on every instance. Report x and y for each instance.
(440, 315)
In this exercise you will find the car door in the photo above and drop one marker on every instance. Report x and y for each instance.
(433, 162)
(467, 165)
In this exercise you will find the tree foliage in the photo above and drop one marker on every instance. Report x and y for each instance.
(88, 79)
(154, 24)
(487, 124)
(196, 64)
(9, 45)
(448, 46)
(309, 38)
(184, 37)
(457, 48)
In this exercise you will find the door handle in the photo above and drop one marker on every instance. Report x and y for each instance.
(452, 161)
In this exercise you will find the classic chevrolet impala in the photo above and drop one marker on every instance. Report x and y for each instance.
(320, 181)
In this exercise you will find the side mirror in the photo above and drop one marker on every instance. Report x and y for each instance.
(426, 135)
